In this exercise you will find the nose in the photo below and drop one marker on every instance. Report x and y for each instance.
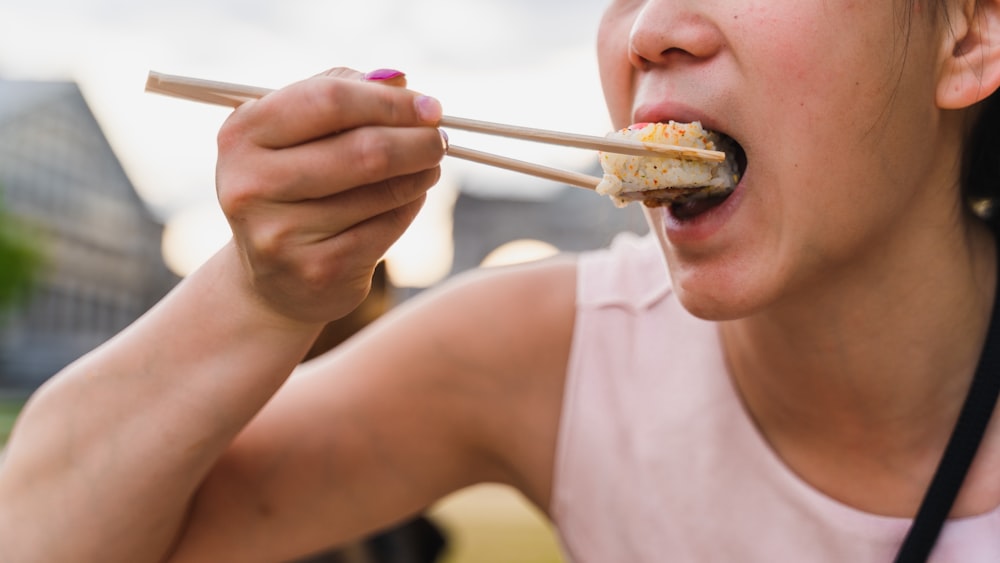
(667, 32)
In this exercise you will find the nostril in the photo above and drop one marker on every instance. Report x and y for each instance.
(638, 61)
(674, 52)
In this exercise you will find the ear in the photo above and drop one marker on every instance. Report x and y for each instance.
(971, 66)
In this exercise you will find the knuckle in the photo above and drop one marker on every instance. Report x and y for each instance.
(237, 192)
(267, 243)
(326, 97)
(390, 106)
(374, 154)
(314, 276)
(254, 179)
(232, 134)
(233, 201)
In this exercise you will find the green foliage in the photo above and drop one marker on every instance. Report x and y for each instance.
(20, 259)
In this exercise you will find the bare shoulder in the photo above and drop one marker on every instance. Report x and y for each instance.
(470, 373)
(501, 338)
(504, 318)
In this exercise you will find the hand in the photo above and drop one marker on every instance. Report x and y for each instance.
(318, 180)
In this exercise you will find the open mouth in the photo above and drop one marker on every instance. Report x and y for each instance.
(687, 185)
(696, 201)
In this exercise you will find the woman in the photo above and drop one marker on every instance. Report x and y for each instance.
(784, 394)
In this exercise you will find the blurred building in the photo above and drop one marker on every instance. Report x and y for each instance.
(571, 220)
(101, 247)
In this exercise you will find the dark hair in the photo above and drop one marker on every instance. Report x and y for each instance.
(981, 158)
(981, 165)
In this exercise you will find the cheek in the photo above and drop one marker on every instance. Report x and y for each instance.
(789, 62)
(817, 59)
(615, 68)
(820, 82)
(825, 68)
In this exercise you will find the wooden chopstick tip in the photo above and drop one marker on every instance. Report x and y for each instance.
(152, 81)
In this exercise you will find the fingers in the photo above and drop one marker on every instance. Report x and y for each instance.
(362, 156)
(326, 105)
(371, 239)
(280, 226)
(329, 165)
(326, 135)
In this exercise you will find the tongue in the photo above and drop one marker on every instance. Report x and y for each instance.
(693, 208)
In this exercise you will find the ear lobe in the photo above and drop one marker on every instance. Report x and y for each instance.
(971, 71)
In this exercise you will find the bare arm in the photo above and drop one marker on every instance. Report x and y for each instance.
(106, 457)
(107, 454)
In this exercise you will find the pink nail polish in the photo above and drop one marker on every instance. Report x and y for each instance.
(383, 74)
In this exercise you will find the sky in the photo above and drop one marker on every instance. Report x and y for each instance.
(524, 62)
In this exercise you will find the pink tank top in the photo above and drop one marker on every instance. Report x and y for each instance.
(659, 462)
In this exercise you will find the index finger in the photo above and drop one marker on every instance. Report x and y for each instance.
(325, 105)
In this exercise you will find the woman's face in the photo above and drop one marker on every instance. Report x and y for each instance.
(847, 153)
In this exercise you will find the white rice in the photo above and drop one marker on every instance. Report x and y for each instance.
(662, 180)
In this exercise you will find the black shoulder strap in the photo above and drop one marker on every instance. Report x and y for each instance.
(961, 448)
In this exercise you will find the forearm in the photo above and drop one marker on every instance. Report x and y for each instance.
(107, 455)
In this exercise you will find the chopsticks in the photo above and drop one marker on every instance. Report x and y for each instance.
(619, 146)
(233, 95)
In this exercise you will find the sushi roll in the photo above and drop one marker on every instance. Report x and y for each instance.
(657, 181)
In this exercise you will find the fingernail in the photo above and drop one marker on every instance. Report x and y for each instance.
(428, 109)
(383, 74)
(444, 139)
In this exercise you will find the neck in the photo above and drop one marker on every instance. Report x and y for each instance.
(870, 366)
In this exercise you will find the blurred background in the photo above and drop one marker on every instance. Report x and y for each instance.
(107, 196)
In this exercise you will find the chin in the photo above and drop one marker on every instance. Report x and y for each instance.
(716, 278)
(718, 290)
(713, 307)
